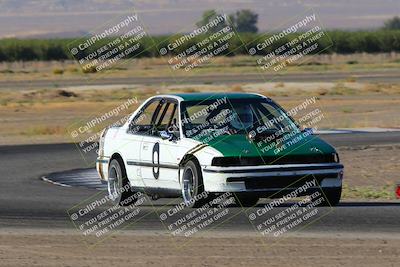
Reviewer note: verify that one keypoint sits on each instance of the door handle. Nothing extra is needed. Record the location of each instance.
(145, 147)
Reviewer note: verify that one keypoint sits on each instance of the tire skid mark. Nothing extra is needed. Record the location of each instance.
(76, 178)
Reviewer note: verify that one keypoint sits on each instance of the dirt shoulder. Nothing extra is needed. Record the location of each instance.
(371, 172)
(47, 115)
(64, 248)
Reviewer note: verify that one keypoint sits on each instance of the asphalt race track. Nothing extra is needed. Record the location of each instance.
(376, 76)
(28, 201)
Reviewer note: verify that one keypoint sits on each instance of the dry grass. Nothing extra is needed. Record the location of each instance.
(44, 130)
(58, 71)
(189, 90)
(279, 85)
(341, 89)
(47, 113)
(236, 88)
(152, 67)
(369, 192)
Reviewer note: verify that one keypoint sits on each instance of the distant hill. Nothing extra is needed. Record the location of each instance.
(47, 35)
(64, 18)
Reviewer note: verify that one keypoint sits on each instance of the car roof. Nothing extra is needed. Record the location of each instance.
(212, 96)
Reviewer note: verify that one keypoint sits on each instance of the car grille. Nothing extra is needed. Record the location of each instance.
(279, 182)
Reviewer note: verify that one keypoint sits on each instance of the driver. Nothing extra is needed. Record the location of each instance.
(243, 117)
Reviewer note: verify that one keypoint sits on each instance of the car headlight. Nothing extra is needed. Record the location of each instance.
(336, 157)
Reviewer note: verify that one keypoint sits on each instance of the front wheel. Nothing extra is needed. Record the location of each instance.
(119, 189)
(331, 197)
(193, 192)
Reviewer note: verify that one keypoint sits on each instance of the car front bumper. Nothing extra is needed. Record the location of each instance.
(272, 179)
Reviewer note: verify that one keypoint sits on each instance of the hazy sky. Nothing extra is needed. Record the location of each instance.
(24, 18)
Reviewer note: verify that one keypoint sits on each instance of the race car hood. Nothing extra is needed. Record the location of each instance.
(240, 145)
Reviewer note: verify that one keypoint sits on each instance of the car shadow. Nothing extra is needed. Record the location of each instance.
(344, 204)
(368, 204)
(264, 202)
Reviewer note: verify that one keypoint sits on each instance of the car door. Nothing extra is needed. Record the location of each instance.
(159, 160)
(140, 127)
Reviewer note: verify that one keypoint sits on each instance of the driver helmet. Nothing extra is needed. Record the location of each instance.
(243, 117)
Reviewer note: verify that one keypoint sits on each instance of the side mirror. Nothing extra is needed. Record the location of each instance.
(166, 135)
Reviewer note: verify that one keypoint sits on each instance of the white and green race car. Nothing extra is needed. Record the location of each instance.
(183, 145)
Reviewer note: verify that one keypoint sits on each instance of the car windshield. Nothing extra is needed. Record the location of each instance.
(224, 116)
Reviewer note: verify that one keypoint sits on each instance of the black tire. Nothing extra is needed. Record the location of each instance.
(193, 194)
(331, 197)
(246, 200)
(119, 190)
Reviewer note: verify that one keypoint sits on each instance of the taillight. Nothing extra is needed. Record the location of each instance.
(398, 191)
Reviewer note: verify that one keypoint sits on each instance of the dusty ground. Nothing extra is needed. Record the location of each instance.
(44, 116)
(370, 172)
(64, 248)
(370, 165)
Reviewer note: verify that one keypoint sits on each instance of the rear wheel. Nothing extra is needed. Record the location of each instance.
(192, 186)
(119, 189)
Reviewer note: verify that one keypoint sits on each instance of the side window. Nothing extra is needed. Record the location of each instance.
(174, 123)
(168, 118)
(165, 116)
(142, 123)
